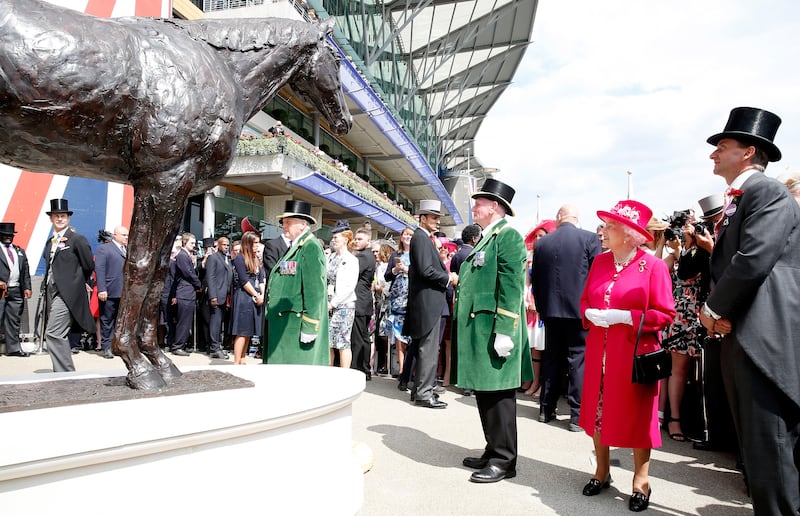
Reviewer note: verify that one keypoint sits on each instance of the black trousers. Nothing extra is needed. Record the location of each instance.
(360, 344)
(108, 321)
(183, 324)
(565, 341)
(498, 412)
(216, 319)
(768, 425)
(11, 306)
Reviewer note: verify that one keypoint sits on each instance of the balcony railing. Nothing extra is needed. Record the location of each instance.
(266, 145)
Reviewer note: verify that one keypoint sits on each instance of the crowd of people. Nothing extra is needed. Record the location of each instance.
(496, 314)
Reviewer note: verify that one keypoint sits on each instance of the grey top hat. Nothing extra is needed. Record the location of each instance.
(429, 207)
(7, 228)
(752, 126)
(299, 210)
(341, 225)
(711, 205)
(497, 191)
(59, 206)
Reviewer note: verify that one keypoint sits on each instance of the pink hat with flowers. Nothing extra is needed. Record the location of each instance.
(631, 213)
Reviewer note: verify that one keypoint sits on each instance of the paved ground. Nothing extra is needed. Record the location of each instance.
(417, 459)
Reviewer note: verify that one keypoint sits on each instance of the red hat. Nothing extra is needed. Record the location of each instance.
(548, 225)
(631, 213)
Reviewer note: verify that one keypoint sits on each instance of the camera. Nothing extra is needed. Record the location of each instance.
(676, 223)
(700, 228)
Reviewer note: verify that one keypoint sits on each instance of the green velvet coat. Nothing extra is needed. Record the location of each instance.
(490, 300)
(297, 304)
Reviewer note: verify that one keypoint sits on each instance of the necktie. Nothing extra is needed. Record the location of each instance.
(125, 250)
(10, 255)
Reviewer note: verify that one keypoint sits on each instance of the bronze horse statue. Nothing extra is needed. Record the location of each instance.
(155, 103)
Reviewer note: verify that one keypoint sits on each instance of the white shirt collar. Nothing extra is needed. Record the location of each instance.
(739, 181)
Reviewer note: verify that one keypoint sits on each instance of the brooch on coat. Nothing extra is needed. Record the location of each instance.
(642, 265)
(734, 195)
(288, 268)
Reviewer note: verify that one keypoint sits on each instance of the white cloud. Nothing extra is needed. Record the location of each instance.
(608, 87)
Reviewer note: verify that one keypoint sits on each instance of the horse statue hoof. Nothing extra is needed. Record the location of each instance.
(169, 372)
(148, 380)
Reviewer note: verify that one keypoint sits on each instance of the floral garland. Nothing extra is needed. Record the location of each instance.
(250, 145)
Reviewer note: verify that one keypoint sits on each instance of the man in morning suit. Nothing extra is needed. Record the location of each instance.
(15, 287)
(297, 309)
(68, 274)
(218, 280)
(183, 294)
(427, 282)
(109, 262)
(359, 336)
(754, 305)
(493, 353)
(560, 266)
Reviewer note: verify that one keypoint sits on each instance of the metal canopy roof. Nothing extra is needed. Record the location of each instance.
(464, 53)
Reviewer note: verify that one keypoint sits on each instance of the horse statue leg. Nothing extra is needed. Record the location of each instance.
(159, 202)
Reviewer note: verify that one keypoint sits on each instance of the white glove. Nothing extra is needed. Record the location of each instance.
(605, 318)
(503, 345)
(305, 338)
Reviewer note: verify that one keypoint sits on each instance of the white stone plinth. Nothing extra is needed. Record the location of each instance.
(282, 447)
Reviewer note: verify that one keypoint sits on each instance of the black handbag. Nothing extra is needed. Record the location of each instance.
(650, 367)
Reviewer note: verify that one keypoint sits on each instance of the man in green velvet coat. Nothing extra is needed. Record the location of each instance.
(493, 353)
(297, 307)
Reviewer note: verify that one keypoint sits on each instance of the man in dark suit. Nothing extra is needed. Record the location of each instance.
(427, 282)
(754, 305)
(359, 336)
(560, 266)
(68, 274)
(274, 249)
(218, 280)
(470, 236)
(185, 285)
(15, 287)
(109, 262)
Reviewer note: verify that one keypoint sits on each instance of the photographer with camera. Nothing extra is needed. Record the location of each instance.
(689, 263)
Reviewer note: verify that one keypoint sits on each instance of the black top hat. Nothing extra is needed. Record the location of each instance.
(59, 206)
(497, 191)
(208, 242)
(299, 210)
(341, 225)
(752, 126)
(104, 235)
(7, 228)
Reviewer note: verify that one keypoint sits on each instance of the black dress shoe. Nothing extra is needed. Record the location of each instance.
(106, 353)
(219, 354)
(705, 446)
(19, 353)
(475, 462)
(431, 403)
(594, 486)
(402, 386)
(546, 418)
(468, 392)
(639, 501)
(180, 352)
(492, 473)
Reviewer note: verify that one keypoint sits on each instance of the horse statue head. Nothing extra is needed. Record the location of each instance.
(318, 82)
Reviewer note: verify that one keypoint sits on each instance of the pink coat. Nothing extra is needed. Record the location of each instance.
(630, 411)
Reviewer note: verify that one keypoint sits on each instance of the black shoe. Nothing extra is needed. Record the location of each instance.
(414, 395)
(368, 377)
(180, 352)
(431, 403)
(705, 446)
(475, 462)
(468, 392)
(219, 354)
(594, 486)
(402, 386)
(106, 353)
(19, 353)
(492, 473)
(546, 418)
(639, 501)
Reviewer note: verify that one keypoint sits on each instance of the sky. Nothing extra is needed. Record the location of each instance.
(608, 88)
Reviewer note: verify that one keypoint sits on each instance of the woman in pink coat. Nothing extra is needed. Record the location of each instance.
(624, 285)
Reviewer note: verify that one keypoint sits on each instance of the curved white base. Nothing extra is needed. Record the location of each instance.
(284, 446)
